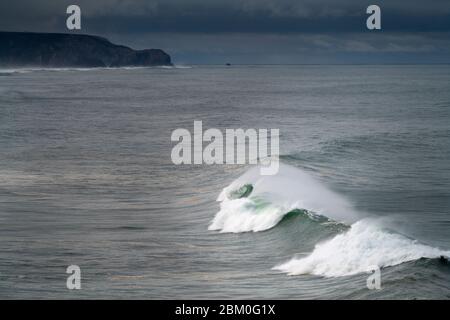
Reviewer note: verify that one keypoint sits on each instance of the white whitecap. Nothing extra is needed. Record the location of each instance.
(363, 246)
(289, 189)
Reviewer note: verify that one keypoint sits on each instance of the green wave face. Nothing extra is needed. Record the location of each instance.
(259, 205)
(242, 192)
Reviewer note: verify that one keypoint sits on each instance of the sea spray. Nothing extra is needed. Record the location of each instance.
(273, 197)
(366, 244)
(257, 203)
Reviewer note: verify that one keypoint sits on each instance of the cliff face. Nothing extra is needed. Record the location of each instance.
(72, 50)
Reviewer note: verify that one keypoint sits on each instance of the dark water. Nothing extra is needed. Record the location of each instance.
(86, 178)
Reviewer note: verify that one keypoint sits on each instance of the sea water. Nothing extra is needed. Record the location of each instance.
(86, 179)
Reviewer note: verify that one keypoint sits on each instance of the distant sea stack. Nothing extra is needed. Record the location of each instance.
(57, 50)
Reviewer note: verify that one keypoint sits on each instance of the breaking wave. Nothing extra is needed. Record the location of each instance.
(272, 197)
(357, 250)
(258, 203)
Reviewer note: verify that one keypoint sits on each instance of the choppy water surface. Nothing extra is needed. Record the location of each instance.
(86, 178)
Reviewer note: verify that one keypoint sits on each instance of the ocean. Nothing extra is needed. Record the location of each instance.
(86, 179)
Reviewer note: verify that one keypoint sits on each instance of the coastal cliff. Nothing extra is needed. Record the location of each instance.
(56, 50)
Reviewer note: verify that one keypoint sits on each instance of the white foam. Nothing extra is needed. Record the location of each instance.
(366, 244)
(33, 69)
(289, 189)
(12, 71)
(59, 69)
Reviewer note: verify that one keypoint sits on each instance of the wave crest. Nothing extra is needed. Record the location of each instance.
(270, 198)
(364, 245)
(257, 203)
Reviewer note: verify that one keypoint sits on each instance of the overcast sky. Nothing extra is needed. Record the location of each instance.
(253, 31)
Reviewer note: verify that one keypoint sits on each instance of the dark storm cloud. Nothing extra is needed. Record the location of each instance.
(285, 16)
(250, 30)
